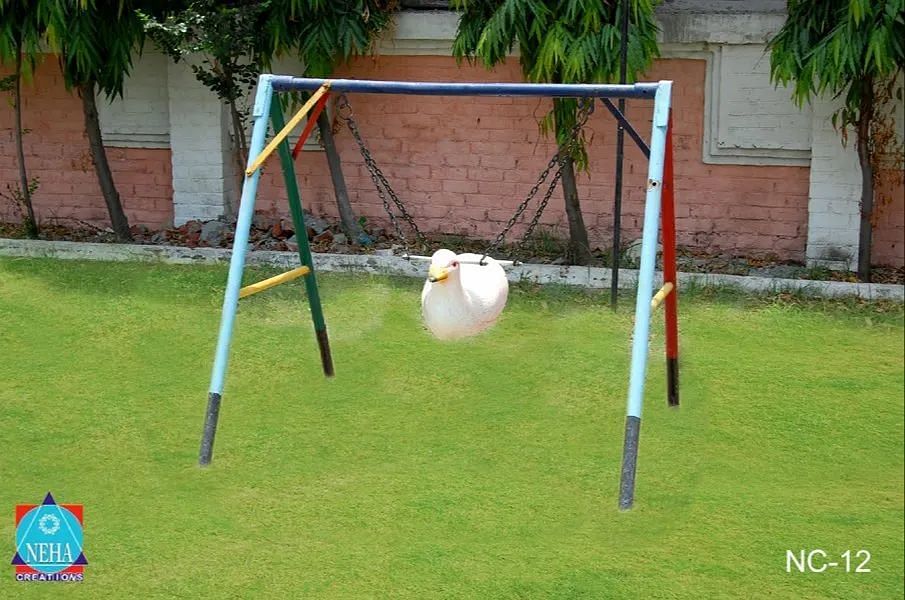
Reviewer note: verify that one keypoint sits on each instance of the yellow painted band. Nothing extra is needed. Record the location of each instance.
(660, 296)
(284, 133)
(260, 286)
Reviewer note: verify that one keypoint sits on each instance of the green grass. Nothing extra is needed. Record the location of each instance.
(485, 469)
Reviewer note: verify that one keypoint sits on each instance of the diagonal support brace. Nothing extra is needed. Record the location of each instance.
(312, 121)
(627, 126)
(287, 129)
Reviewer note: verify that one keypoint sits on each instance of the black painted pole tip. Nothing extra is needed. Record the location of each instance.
(210, 429)
(323, 342)
(672, 382)
(629, 463)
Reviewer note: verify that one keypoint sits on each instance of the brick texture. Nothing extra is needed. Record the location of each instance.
(889, 228)
(57, 152)
(463, 164)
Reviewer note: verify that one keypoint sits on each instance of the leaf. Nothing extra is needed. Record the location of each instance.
(856, 10)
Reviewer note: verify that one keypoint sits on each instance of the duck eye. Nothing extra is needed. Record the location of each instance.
(455, 264)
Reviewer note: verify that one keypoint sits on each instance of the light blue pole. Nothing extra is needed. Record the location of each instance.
(645, 292)
(260, 114)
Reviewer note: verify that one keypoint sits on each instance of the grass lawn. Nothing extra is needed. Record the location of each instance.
(485, 469)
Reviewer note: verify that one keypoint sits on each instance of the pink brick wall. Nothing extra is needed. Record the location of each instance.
(889, 230)
(463, 164)
(56, 151)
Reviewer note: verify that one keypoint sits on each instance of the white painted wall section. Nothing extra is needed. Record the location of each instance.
(751, 121)
(200, 148)
(835, 193)
(141, 118)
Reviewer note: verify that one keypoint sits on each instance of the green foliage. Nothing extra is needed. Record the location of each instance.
(226, 36)
(238, 40)
(23, 27)
(324, 33)
(839, 46)
(855, 49)
(228, 40)
(559, 41)
(96, 40)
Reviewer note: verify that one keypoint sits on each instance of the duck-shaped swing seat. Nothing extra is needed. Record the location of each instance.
(464, 294)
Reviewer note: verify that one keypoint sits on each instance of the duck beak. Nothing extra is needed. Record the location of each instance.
(435, 274)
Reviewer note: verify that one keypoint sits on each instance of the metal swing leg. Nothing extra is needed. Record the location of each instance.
(236, 266)
(640, 337)
(301, 234)
(257, 154)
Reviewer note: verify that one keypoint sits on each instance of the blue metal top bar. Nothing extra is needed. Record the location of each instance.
(285, 83)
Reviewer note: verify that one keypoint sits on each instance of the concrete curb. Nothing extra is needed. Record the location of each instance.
(589, 277)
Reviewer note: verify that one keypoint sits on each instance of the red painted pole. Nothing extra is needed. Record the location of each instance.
(668, 216)
(312, 121)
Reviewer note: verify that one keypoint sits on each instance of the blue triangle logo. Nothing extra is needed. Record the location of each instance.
(49, 538)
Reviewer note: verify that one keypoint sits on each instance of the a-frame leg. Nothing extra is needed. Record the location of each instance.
(264, 106)
(301, 234)
(640, 336)
(668, 218)
(236, 266)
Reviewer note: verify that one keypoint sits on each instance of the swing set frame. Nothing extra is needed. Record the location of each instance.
(659, 208)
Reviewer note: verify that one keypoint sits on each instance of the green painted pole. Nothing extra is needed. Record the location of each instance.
(301, 235)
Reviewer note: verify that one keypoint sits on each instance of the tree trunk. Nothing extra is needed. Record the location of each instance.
(31, 223)
(240, 155)
(579, 247)
(867, 181)
(99, 156)
(239, 133)
(349, 223)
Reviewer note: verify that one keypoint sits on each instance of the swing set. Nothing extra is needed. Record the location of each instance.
(659, 193)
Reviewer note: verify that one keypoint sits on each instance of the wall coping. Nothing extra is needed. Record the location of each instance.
(588, 277)
(432, 32)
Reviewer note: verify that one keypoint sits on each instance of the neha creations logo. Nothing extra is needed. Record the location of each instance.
(49, 542)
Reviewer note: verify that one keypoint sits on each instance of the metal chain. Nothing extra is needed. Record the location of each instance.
(585, 108)
(521, 208)
(344, 110)
(542, 206)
